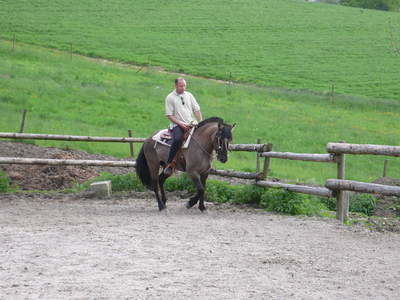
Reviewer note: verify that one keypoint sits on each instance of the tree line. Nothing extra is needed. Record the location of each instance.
(390, 5)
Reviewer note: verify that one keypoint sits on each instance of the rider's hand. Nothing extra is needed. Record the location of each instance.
(184, 127)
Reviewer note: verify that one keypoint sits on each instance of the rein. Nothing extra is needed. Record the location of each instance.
(201, 148)
(205, 151)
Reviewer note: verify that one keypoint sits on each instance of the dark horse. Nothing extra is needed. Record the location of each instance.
(210, 134)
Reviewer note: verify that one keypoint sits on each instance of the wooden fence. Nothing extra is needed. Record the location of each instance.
(57, 137)
(338, 187)
(67, 162)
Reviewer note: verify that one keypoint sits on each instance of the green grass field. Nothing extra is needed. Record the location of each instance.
(83, 97)
(277, 43)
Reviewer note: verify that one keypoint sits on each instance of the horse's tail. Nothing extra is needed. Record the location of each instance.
(142, 170)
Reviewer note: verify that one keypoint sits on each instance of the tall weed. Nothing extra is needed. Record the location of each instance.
(4, 182)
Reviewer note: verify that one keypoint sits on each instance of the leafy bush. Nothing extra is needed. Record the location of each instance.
(179, 183)
(220, 191)
(283, 201)
(126, 182)
(4, 181)
(250, 194)
(330, 203)
(362, 203)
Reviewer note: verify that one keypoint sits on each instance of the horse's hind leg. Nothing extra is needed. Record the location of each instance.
(161, 204)
(161, 180)
(200, 191)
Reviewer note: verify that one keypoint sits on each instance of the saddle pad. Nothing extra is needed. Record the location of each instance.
(163, 137)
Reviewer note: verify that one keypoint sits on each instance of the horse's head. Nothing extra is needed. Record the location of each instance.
(222, 140)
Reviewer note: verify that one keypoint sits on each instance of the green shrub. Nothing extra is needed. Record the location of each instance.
(220, 191)
(126, 182)
(362, 203)
(248, 194)
(271, 196)
(283, 201)
(179, 183)
(330, 203)
(4, 182)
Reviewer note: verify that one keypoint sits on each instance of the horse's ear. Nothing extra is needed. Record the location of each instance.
(233, 126)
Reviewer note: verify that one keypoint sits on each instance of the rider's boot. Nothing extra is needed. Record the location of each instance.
(169, 169)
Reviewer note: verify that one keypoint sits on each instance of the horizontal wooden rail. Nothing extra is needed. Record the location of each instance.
(363, 149)
(317, 191)
(300, 156)
(247, 147)
(66, 162)
(362, 187)
(237, 174)
(32, 136)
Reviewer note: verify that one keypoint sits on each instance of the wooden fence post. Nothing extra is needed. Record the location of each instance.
(258, 158)
(385, 168)
(131, 144)
(21, 128)
(229, 84)
(342, 197)
(332, 93)
(267, 160)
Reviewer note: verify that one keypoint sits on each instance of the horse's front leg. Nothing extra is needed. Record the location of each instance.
(200, 191)
(203, 178)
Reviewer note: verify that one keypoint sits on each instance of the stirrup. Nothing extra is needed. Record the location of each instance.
(169, 169)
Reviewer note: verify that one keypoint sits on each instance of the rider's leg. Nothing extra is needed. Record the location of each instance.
(177, 134)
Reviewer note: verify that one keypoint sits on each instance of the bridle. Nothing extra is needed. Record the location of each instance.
(218, 144)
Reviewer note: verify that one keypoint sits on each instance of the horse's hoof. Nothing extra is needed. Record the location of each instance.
(161, 208)
(202, 208)
(189, 205)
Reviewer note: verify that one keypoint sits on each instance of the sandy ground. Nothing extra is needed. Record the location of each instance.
(63, 247)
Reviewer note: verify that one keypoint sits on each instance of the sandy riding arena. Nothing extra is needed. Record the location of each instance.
(61, 247)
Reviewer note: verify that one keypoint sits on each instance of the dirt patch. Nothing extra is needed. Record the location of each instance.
(56, 246)
(42, 177)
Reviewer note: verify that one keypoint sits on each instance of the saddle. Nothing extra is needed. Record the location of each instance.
(164, 137)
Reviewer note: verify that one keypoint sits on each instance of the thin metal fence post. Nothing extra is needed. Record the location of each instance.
(22, 126)
(131, 144)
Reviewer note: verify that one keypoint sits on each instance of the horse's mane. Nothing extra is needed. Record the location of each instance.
(210, 120)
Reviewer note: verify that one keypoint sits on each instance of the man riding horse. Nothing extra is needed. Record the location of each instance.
(182, 109)
(209, 136)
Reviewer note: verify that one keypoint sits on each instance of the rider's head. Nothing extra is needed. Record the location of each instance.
(180, 85)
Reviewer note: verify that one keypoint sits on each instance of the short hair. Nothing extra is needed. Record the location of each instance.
(179, 79)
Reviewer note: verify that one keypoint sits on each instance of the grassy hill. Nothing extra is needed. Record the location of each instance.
(87, 97)
(276, 43)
